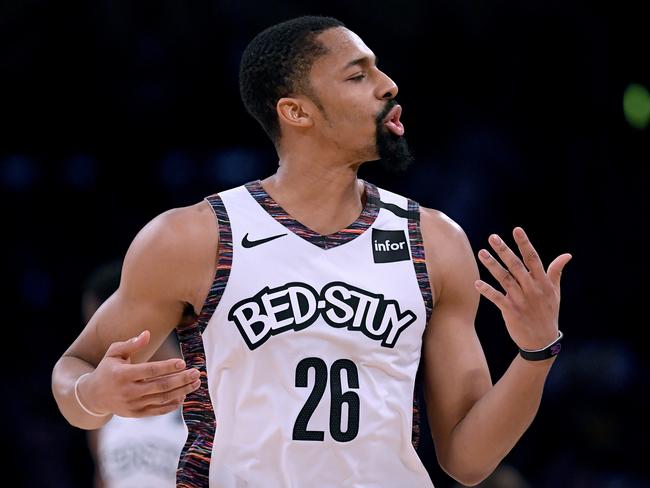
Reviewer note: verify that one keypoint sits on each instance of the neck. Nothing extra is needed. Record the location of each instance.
(324, 197)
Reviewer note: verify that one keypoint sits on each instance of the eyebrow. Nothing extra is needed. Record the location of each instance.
(360, 61)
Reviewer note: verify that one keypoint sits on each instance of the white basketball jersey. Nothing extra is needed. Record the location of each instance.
(141, 452)
(309, 346)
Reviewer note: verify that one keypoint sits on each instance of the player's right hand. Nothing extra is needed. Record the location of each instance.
(136, 390)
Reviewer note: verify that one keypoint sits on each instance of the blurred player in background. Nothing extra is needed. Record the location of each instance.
(133, 452)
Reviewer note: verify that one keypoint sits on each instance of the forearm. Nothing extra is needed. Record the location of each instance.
(65, 374)
(495, 423)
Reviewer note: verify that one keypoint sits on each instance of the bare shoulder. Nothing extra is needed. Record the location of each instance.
(446, 246)
(180, 243)
(440, 230)
(178, 232)
(192, 218)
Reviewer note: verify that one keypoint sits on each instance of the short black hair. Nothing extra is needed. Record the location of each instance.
(276, 64)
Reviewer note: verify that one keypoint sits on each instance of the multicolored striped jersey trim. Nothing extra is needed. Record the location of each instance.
(418, 258)
(420, 265)
(415, 436)
(356, 228)
(194, 464)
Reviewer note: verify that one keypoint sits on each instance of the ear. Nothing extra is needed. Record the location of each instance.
(294, 112)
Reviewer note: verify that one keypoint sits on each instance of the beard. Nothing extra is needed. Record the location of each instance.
(392, 149)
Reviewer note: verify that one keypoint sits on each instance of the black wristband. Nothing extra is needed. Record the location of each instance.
(553, 349)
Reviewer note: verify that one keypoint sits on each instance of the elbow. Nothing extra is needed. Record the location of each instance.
(467, 477)
(464, 472)
(60, 403)
(472, 481)
(71, 421)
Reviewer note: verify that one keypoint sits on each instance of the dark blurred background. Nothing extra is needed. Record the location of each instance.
(519, 113)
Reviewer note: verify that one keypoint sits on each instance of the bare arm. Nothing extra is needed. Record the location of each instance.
(163, 268)
(474, 424)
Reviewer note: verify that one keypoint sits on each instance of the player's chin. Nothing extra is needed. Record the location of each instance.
(371, 153)
(368, 152)
(373, 157)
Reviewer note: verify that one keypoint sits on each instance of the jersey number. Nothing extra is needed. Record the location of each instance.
(300, 432)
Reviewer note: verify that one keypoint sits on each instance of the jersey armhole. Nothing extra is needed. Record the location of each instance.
(420, 266)
(198, 412)
(418, 257)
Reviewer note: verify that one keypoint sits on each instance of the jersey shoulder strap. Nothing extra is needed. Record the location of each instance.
(396, 204)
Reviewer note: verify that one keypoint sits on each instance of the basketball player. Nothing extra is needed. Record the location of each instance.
(131, 452)
(314, 293)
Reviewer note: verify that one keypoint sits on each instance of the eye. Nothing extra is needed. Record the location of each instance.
(358, 78)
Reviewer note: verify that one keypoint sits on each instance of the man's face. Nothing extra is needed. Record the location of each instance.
(356, 96)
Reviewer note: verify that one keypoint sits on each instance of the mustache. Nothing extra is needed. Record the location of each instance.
(389, 106)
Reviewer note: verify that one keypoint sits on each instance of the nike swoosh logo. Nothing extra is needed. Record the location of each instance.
(246, 243)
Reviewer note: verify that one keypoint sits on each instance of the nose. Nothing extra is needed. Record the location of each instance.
(387, 88)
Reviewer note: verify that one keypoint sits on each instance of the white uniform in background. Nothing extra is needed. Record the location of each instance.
(141, 452)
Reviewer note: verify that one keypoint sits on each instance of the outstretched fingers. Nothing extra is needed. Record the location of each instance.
(530, 255)
(502, 275)
(517, 270)
(167, 383)
(556, 267)
(496, 297)
(154, 369)
(167, 396)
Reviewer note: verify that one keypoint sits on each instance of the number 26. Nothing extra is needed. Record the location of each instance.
(338, 398)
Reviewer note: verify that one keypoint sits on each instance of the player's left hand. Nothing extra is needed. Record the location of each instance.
(531, 304)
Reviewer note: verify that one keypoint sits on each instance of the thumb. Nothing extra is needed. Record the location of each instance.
(555, 268)
(125, 349)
